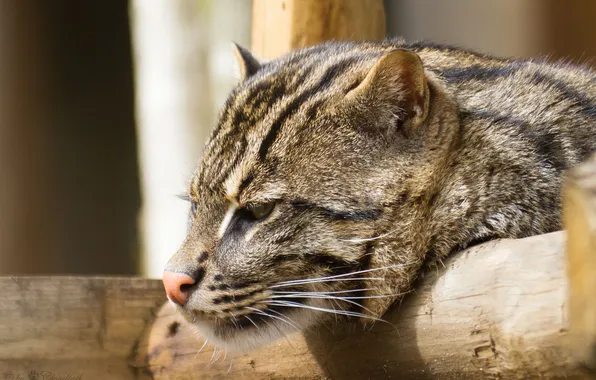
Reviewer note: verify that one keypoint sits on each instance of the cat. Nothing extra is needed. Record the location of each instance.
(337, 172)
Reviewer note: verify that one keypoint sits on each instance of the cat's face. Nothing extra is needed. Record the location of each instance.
(293, 192)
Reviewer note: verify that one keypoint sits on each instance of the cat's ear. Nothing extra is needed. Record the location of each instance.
(397, 79)
(248, 64)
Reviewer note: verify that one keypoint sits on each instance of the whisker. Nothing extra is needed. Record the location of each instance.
(363, 240)
(349, 274)
(218, 354)
(212, 356)
(282, 315)
(316, 281)
(334, 292)
(345, 299)
(225, 353)
(333, 311)
(230, 367)
(275, 327)
(336, 312)
(262, 312)
(323, 296)
(235, 322)
(201, 349)
(251, 321)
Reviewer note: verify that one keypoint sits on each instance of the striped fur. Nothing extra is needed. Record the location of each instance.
(374, 161)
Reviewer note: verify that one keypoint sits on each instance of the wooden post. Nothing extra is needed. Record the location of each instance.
(580, 221)
(68, 172)
(280, 26)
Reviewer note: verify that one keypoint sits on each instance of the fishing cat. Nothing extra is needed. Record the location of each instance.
(337, 171)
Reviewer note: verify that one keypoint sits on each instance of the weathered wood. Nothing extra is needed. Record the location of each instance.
(580, 221)
(71, 326)
(494, 311)
(280, 26)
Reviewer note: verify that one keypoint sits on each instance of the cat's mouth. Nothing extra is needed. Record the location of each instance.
(247, 318)
(246, 327)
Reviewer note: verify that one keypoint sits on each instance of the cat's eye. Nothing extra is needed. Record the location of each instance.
(261, 210)
(194, 206)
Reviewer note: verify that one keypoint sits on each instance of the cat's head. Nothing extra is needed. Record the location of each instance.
(295, 193)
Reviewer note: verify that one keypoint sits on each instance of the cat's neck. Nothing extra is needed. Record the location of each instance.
(487, 191)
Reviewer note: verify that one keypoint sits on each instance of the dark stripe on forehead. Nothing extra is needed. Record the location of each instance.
(243, 99)
(218, 167)
(245, 182)
(325, 80)
(288, 110)
(255, 99)
(252, 103)
(235, 118)
(223, 116)
(238, 154)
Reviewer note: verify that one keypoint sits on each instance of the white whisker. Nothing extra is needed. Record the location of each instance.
(251, 321)
(212, 356)
(335, 292)
(316, 281)
(225, 353)
(363, 240)
(262, 312)
(319, 279)
(219, 354)
(333, 311)
(201, 349)
(345, 299)
(324, 296)
(274, 326)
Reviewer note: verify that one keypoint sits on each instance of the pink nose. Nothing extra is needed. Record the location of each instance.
(177, 286)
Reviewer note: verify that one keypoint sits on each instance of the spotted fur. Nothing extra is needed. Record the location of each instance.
(379, 157)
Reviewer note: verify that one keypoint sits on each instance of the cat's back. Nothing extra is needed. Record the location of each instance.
(552, 105)
(505, 82)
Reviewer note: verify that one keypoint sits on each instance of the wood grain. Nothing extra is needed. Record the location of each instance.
(85, 326)
(580, 221)
(494, 311)
(280, 26)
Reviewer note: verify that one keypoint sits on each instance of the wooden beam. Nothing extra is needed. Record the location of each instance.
(580, 221)
(280, 26)
(71, 326)
(494, 311)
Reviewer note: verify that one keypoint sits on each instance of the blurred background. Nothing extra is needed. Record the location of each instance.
(105, 107)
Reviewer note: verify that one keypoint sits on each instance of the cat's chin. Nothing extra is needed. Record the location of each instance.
(258, 332)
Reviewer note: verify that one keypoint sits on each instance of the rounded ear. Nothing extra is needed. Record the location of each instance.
(397, 79)
(247, 63)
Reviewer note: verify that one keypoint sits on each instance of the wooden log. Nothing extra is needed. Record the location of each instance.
(494, 311)
(580, 221)
(280, 26)
(82, 327)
